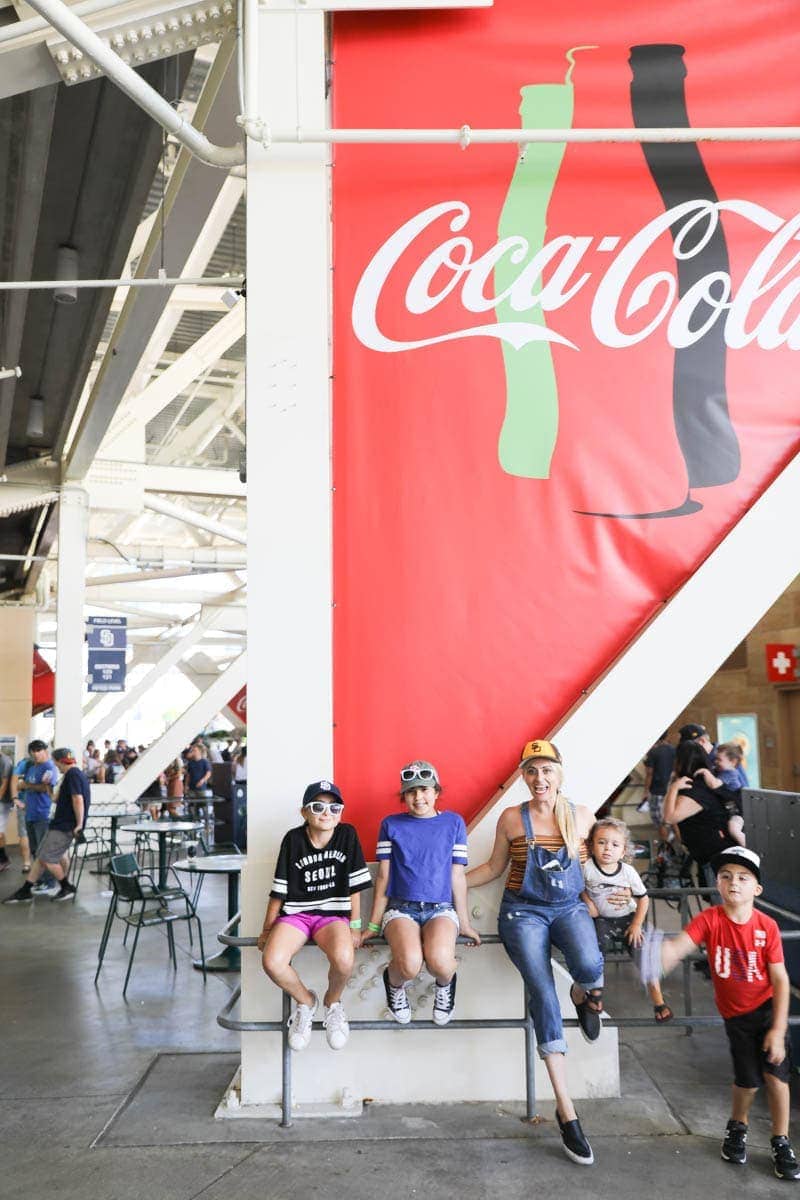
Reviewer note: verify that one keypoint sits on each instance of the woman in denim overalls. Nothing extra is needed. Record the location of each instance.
(541, 840)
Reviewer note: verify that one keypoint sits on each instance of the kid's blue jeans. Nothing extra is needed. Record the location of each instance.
(529, 932)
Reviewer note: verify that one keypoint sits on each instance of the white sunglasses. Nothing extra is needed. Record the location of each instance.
(318, 807)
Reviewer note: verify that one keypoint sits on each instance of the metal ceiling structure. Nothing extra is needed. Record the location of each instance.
(136, 395)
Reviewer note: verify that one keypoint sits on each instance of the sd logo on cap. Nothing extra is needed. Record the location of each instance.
(539, 749)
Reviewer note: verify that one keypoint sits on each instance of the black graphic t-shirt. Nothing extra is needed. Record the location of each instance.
(311, 880)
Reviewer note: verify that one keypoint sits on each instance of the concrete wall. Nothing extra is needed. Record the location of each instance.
(16, 673)
(746, 689)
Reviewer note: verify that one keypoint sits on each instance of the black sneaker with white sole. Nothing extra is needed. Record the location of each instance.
(734, 1148)
(784, 1161)
(444, 999)
(23, 895)
(65, 892)
(574, 1142)
(397, 1000)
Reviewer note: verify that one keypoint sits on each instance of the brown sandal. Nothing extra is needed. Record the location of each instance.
(662, 1013)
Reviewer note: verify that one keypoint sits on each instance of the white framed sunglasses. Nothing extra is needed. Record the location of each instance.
(426, 775)
(318, 807)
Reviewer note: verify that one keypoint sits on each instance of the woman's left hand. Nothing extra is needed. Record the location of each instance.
(620, 898)
(472, 935)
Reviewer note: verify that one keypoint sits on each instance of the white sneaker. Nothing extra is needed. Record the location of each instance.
(300, 1024)
(45, 889)
(337, 1028)
(443, 1002)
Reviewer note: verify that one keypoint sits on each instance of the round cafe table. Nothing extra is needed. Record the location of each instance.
(162, 828)
(230, 958)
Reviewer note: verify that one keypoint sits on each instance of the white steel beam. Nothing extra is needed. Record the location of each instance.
(196, 263)
(191, 192)
(197, 520)
(150, 593)
(192, 481)
(180, 733)
(190, 441)
(680, 650)
(73, 526)
(146, 554)
(165, 663)
(170, 383)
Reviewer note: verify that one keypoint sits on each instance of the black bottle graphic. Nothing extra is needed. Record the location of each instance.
(703, 426)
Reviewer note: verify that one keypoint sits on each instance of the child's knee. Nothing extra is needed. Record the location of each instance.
(342, 960)
(441, 963)
(408, 963)
(273, 964)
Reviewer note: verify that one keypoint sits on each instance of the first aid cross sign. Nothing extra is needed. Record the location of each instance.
(783, 662)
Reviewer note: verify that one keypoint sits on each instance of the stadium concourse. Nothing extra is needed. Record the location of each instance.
(125, 1094)
(525, 482)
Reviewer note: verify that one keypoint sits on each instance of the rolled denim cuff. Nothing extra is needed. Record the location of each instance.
(598, 983)
(557, 1047)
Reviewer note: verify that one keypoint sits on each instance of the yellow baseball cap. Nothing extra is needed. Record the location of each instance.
(539, 749)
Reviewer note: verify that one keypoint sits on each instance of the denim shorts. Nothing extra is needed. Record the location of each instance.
(418, 911)
(22, 824)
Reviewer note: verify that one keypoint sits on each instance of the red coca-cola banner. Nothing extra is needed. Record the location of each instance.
(44, 685)
(238, 705)
(562, 372)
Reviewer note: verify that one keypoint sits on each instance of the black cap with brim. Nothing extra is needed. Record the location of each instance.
(737, 856)
(690, 733)
(322, 790)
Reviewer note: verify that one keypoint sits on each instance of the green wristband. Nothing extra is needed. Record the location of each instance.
(373, 928)
(356, 924)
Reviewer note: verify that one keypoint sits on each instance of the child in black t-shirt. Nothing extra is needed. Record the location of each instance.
(315, 897)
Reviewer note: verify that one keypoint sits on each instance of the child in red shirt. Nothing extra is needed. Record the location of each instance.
(751, 989)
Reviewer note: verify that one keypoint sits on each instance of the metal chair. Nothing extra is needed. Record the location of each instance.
(138, 890)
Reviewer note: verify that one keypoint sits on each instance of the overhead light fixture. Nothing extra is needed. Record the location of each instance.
(66, 268)
(35, 426)
(10, 373)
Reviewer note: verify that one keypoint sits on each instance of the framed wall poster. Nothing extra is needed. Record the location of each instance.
(742, 728)
(8, 746)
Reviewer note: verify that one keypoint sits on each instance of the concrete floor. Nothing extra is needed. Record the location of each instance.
(104, 1099)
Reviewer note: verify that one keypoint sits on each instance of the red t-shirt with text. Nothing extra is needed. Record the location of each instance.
(738, 956)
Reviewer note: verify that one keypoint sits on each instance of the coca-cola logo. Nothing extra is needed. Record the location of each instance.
(624, 309)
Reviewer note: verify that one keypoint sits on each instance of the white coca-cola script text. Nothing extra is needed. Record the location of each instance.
(454, 267)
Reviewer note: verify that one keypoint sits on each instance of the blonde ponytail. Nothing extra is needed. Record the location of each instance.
(565, 819)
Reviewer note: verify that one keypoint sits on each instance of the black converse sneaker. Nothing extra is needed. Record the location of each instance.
(574, 1141)
(444, 1001)
(397, 1000)
(734, 1148)
(783, 1158)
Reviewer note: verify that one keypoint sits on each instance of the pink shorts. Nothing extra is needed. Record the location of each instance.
(310, 923)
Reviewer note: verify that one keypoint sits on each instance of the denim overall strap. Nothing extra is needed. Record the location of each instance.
(527, 823)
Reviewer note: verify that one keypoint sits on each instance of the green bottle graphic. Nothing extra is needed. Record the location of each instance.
(528, 435)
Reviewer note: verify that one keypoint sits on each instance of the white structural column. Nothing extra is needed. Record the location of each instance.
(73, 530)
(289, 690)
(289, 640)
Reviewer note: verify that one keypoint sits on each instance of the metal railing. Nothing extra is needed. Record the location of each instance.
(525, 1023)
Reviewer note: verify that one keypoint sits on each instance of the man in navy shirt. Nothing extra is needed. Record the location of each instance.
(658, 763)
(198, 769)
(69, 821)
